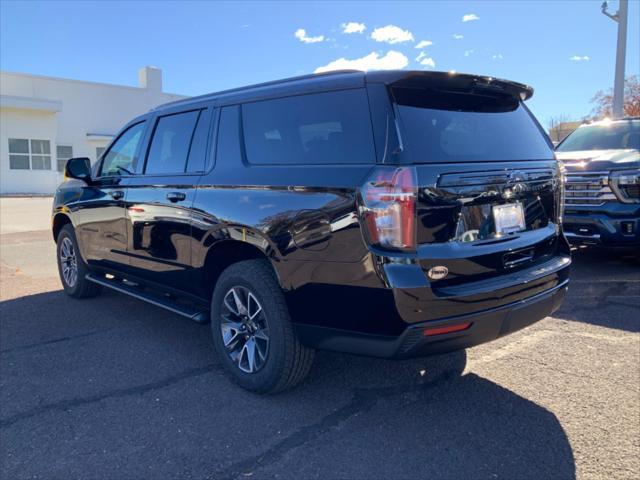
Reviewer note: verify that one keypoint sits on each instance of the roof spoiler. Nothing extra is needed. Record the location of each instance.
(452, 81)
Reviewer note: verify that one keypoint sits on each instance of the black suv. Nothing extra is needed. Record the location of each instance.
(390, 214)
(602, 204)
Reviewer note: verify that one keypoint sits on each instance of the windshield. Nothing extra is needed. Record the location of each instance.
(450, 126)
(618, 135)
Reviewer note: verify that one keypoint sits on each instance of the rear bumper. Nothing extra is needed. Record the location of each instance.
(621, 229)
(485, 326)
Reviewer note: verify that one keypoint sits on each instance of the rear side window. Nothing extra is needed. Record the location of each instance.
(171, 143)
(321, 128)
(440, 126)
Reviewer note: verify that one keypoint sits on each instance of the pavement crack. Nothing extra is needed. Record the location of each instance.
(362, 401)
(30, 346)
(118, 393)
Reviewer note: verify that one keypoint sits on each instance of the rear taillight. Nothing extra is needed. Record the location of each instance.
(388, 207)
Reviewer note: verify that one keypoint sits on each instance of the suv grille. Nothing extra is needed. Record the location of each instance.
(587, 189)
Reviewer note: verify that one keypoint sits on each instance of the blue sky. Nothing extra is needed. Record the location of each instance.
(564, 49)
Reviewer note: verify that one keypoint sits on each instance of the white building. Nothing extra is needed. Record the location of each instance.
(44, 121)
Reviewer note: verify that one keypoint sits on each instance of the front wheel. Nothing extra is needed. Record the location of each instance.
(71, 267)
(252, 331)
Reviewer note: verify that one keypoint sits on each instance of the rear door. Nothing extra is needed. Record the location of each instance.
(160, 197)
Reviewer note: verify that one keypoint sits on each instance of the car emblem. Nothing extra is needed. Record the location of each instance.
(437, 273)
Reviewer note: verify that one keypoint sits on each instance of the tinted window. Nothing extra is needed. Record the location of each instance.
(120, 160)
(603, 136)
(442, 126)
(170, 144)
(332, 127)
(198, 150)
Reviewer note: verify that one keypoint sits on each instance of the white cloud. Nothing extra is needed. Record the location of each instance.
(392, 60)
(391, 34)
(469, 17)
(353, 27)
(468, 53)
(301, 34)
(424, 44)
(578, 58)
(457, 36)
(422, 59)
(497, 56)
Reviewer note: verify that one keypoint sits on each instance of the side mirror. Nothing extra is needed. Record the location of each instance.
(79, 168)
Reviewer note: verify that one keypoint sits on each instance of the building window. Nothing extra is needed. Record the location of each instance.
(63, 154)
(99, 152)
(22, 150)
(18, 154)
(40, 155)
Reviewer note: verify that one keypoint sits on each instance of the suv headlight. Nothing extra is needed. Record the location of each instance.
(626, 185)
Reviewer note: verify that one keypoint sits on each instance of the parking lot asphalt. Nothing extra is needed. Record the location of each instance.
(114, 388)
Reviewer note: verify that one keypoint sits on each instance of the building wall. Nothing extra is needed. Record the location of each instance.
(39, 125)
(85, 115)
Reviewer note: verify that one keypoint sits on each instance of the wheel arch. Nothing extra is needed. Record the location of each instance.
(225, 253)
(58, 222)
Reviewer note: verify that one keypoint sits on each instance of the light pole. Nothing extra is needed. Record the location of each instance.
(618, 87)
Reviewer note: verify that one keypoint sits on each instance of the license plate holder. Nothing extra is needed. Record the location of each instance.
(508, 218)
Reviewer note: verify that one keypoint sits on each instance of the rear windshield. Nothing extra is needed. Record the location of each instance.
(603, 137)
(444, 126)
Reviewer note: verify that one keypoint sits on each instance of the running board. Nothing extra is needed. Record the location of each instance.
(199, 316)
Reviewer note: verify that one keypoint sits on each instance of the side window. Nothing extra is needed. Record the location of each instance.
(320, 128)
(171, 142)
(120, 158)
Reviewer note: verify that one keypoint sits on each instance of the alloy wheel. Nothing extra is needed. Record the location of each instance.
(68, 262)
(244, 328)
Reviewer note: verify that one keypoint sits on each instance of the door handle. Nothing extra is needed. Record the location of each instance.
(116, 194)
(176, 196)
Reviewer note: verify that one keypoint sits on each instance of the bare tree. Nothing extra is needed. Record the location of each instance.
(603, 101)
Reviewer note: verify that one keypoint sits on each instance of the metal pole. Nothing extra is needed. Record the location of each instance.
(621, 53)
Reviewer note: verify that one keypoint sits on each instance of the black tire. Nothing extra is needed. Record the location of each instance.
(287, 361)
(81, 287)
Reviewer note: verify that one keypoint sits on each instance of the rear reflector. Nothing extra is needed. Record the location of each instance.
(429, 331)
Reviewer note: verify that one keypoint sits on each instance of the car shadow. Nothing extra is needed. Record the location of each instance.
(354, 417)
(425, 414)
(604, 290)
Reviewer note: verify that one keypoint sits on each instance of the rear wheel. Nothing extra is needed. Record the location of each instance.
(72, 268)
(252, 331)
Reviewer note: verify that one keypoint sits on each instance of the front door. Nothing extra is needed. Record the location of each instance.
(159, 199)
(101, 228)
